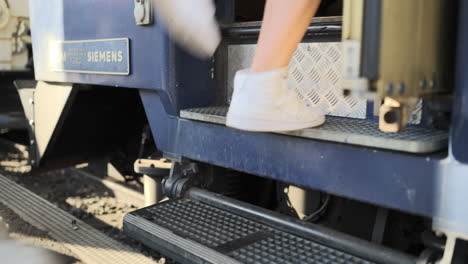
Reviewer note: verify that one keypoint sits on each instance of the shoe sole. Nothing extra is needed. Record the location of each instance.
(259, 125)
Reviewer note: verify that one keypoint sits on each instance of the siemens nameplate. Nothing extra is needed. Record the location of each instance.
(104, 56)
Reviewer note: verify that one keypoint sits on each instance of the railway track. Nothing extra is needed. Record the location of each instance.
(89, 244)
(71, 211)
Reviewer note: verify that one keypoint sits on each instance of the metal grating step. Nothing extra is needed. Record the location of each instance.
(349, 131)
(209, 228)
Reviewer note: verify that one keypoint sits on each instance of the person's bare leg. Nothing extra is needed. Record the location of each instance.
(284, 25)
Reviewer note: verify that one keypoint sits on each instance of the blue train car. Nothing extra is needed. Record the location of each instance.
(108, 85)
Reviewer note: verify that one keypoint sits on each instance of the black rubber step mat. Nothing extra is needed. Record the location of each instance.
(209, 228)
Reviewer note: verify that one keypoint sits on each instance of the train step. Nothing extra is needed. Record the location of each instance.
(209, 228)
(347, 131)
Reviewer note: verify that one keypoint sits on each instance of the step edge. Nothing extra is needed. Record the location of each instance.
(158, 235)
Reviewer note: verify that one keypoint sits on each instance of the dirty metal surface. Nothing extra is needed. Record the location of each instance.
(349, 131)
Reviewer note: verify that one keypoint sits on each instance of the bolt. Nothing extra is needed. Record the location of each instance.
(74, 225)
(432, 84)
(389, 89)
(33, 162)
(401, 88)
(390, 117)
(423, 84)
(32, 142)
(31, 101)
(31, 122)
(140, 11)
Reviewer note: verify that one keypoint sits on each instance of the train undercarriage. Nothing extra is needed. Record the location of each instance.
(383, 181)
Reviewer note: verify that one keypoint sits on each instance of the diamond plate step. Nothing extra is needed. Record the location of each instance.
(315, 73)
(348, 131)
(209, 228)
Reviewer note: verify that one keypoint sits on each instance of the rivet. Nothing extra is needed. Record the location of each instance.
(31, 122)
(423, 84)
(401, 88)
(74, 225)
(389, 89)
(32, 142)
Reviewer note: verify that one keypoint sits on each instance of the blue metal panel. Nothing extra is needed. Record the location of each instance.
(156, 63)
(90, 20)
(459, 143)
(419, 184)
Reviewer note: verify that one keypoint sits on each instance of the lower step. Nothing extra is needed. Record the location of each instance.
(210, 228)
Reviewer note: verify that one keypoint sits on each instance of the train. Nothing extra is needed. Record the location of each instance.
(382, 181)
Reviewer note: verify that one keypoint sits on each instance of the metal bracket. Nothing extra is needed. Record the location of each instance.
(26, 91)
(153, 168)
(143, 12)
(379, 225)
(394, 114)
(21, 38)
(182, 178)
(153, 173)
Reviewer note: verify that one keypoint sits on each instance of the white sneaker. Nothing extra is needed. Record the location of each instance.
(192, 24)
(262, 102)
